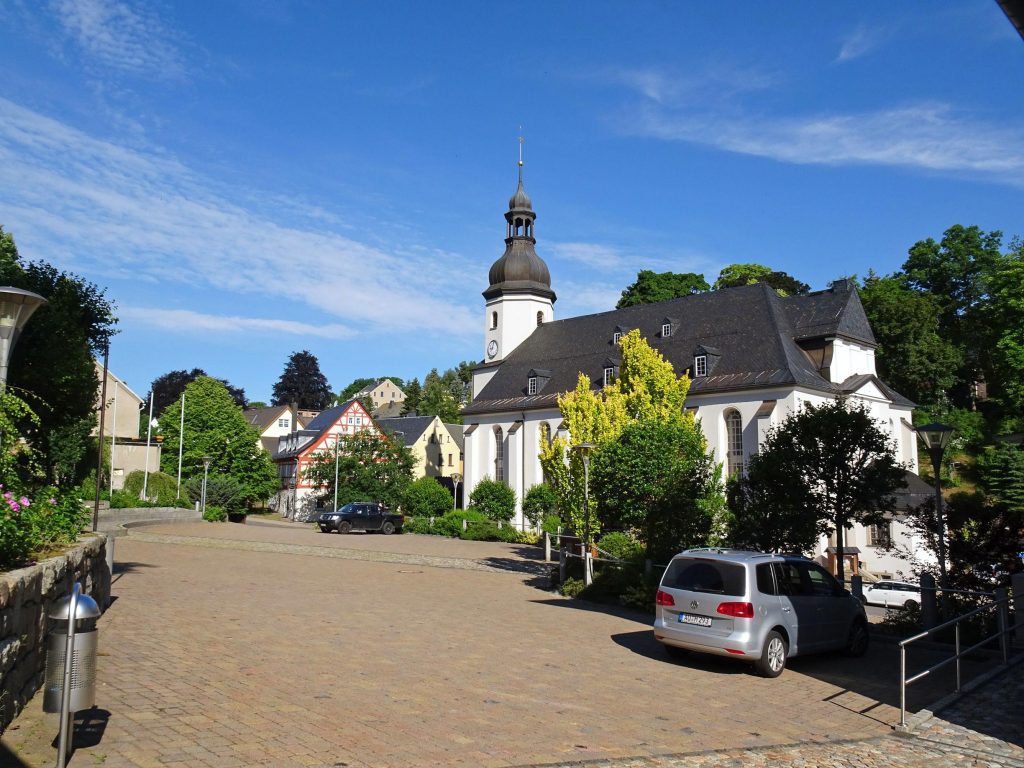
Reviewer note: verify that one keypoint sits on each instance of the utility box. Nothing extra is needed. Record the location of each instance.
(83, 654)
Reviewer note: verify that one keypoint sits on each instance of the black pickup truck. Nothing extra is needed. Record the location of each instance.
(369, 516)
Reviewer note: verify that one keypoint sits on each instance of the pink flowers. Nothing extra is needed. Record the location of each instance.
(16, 505)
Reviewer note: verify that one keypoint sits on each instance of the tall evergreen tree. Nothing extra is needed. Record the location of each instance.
(303, 383)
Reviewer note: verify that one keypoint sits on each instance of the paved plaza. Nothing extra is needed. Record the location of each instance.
(271, 644)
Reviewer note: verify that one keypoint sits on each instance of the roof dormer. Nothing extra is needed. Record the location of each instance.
(705, 359)
(669, 326)
(618, 333)
(536, 379)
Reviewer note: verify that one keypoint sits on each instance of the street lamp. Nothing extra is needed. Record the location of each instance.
(337, 443)
(456, 478)
(206, 472)
(936, 437)
(16, 307)
(584, 450)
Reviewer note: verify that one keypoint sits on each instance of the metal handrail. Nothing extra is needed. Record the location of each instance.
(1002, 633)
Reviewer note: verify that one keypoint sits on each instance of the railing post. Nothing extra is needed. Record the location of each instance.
(857, 587)
(956, 628)
(1003, 613)
(558, 537)
(562, 565)
(648, 567)
(465, 524)
(547, 547)
(1017, 585)
(903, 686)
(929, 603)
(588, 572)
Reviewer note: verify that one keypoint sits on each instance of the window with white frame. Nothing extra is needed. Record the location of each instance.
(700, 365)
(880, 535)
(666, 330)
(734, 442)
(609, 376)
(283, 422)
(531, 385)
(499, 455)
(615, 337)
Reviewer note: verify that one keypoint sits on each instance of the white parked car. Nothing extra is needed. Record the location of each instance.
(892, 594)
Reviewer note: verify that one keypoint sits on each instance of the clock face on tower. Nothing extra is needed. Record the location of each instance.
(492, 348)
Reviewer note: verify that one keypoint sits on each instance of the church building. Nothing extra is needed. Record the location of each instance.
(754, 357)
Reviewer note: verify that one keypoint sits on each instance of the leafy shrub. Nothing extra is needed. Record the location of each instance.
(125, 499)
(571, 587)
(221, 491)
(215, 514)
(450, 524)
(494, 499)
(417, 525)
(621, 546)
(540, 503)
(161, 488)
(425, 497)
(551, 524)
(31, 528)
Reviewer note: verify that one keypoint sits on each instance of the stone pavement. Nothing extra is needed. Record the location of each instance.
(271, 644)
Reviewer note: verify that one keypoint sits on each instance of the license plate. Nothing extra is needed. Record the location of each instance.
(700, 621)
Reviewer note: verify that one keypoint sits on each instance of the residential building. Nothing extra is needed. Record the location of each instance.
(298, 498)
(436, 446)
(276, 421)
(385, 397)
(753, 356)
(123, 421)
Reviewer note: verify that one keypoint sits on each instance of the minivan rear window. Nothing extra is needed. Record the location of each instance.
(697, 575)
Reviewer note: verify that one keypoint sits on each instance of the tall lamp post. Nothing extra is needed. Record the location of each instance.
(584, 450)
(456, 479)
(936, 437)
(206, 473)
(16, 307)
(337, 444)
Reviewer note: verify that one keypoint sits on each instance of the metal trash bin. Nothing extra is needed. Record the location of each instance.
(83, 654)
(69, 687)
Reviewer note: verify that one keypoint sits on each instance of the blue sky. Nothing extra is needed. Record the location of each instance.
(250, 178)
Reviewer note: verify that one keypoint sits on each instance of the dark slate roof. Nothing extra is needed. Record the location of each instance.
(750, 330)
(412, 427)
(261, 418)
(836, 311)
(326, 419)
(456, 431)
(916, 493)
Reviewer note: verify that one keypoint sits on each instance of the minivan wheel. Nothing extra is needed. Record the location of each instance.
(857, 644)
(773, 656)
(388, 528)
(344, 526)
(911, 604)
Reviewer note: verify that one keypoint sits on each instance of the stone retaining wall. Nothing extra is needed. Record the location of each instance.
(26, 596)
(113, 519)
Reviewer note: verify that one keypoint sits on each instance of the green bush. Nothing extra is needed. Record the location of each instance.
(551, 524)
(31, 528)
(540, 503)
(571, 587)
(215, 514)
(221, 491)
(125, 499)
(161, 488)
(450, 524)
(425, 497)
(621, 546)
(417, 525)
(494, 499)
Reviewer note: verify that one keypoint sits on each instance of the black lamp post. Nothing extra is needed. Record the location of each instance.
(936, 437)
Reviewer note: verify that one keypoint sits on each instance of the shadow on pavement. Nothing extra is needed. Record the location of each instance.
(121, 568)
(10, 760)
(995, 709)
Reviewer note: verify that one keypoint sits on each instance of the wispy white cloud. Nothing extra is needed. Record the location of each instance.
(122, 35)
(861, 40)
(575, 298)
(187, 321)
(927, 136)
(605, 258)
(670, 88)
(104, 209)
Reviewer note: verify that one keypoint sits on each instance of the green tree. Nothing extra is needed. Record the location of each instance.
(303, 383)
(494, 499)
(425, 497)
(52, 367)
(658, 478)
(540, 502)
(167, 388)
(661, 286)
(735, 275)
(912, 356)
(442, 396)
(829, 461)
(215, 427)
(413, 395)
(371, 467)
(1004, 316)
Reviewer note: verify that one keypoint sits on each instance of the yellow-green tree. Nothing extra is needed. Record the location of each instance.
(647, 389)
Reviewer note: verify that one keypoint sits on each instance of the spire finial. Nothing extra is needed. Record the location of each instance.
(520, 153)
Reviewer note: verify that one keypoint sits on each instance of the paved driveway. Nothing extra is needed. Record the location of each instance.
(272, 644)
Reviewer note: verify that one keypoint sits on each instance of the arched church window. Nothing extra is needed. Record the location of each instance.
(540, 318)
(734, 442)
(499, 455)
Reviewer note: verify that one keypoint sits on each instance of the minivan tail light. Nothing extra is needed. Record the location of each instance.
(739, 610)
(664, 598)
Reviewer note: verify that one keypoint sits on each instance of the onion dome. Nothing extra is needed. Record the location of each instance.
(520, 269)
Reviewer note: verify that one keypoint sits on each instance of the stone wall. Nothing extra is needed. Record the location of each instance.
(26, 596)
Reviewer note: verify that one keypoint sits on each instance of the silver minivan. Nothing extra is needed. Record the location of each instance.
(758, 607)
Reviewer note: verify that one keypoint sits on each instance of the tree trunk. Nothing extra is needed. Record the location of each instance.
(840, 558)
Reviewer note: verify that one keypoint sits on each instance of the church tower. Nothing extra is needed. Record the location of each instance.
(519, 297)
